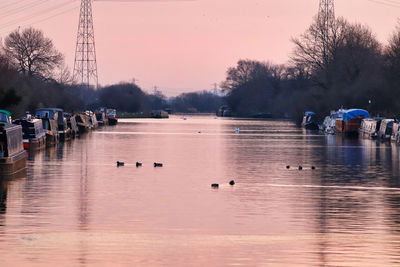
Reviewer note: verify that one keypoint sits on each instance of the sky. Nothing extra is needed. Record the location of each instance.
(184, 46)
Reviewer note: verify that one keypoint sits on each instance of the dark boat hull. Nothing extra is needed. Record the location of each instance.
(14, 164)
(35, 144)
(349, 128)
(65, 135)
(112, 121)
(311, 126)
(83, 129)
(51, 140)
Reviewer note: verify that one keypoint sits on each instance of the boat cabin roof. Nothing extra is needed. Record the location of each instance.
(5, 116)
(309, 113)
(8, 113)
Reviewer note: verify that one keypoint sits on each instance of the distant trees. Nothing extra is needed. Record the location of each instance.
(28, 64)
(316, 47)
(392, 55)
(252, 86)
(8, 98)
(125, 97)
(31, 53)
(204, 102)
(346, 69)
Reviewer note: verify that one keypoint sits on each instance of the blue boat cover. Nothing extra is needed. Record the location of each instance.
(309, 113)
(355, 113)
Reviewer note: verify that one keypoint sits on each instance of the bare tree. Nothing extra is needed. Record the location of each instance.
(63, 75)
(392, 54)
(33, 54)
(315, 49)
(250, 70)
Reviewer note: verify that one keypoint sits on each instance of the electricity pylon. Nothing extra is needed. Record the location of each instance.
(326, 21)
(85, 66)
(326, 14)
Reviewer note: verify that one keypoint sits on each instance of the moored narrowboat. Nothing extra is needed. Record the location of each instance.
(33, 134)
(370, 127)
(71, 122)
(224, 111)
(5, 116)
(350, 121)
(112, 116)
(330, 121)
(63, 130)
(82, 121)
(49, 119)
(396, 132)
(12, 153)
(310, 121)
(159, 114)
(50, 128)
(101, 118)
(92, 119)
(385, 131)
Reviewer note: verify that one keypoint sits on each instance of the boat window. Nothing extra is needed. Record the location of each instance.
(46, 125)
(4, 118)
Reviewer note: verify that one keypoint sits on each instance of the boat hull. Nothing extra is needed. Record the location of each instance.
(112, 121)
(350, 127)
(65, 135)
(35, 144)
(83, 129)
(14, 164)
(311, 126)
(51, 140)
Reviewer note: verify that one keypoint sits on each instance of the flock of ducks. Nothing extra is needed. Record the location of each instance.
(138, 164)
(232, 182)
(301, 167)
(157, 164)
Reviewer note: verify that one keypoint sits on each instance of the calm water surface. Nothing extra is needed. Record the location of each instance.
(74, 207)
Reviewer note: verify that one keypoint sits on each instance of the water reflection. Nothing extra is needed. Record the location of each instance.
(3, 198)
(75, 207)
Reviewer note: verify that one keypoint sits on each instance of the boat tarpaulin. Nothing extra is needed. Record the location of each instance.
(354, 114)
(309, 113)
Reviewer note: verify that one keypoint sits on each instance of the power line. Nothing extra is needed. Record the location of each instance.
(20, 9)
(390, 4)
(29, 17)
(143, 1)
(5, 6)
(42, 19)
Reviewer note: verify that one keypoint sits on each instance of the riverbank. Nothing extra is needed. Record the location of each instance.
(155, 114)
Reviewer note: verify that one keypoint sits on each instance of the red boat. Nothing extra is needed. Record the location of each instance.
(350, 122)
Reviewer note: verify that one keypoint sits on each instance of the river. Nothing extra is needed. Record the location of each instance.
(75, 207)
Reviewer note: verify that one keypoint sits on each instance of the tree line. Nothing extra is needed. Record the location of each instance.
(341, 66)
(33, 74)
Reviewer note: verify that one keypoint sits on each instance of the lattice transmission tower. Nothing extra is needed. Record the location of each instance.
(85, 66)
(326, 16)
(326, 21)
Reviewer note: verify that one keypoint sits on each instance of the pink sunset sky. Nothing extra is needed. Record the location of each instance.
(183, 46)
